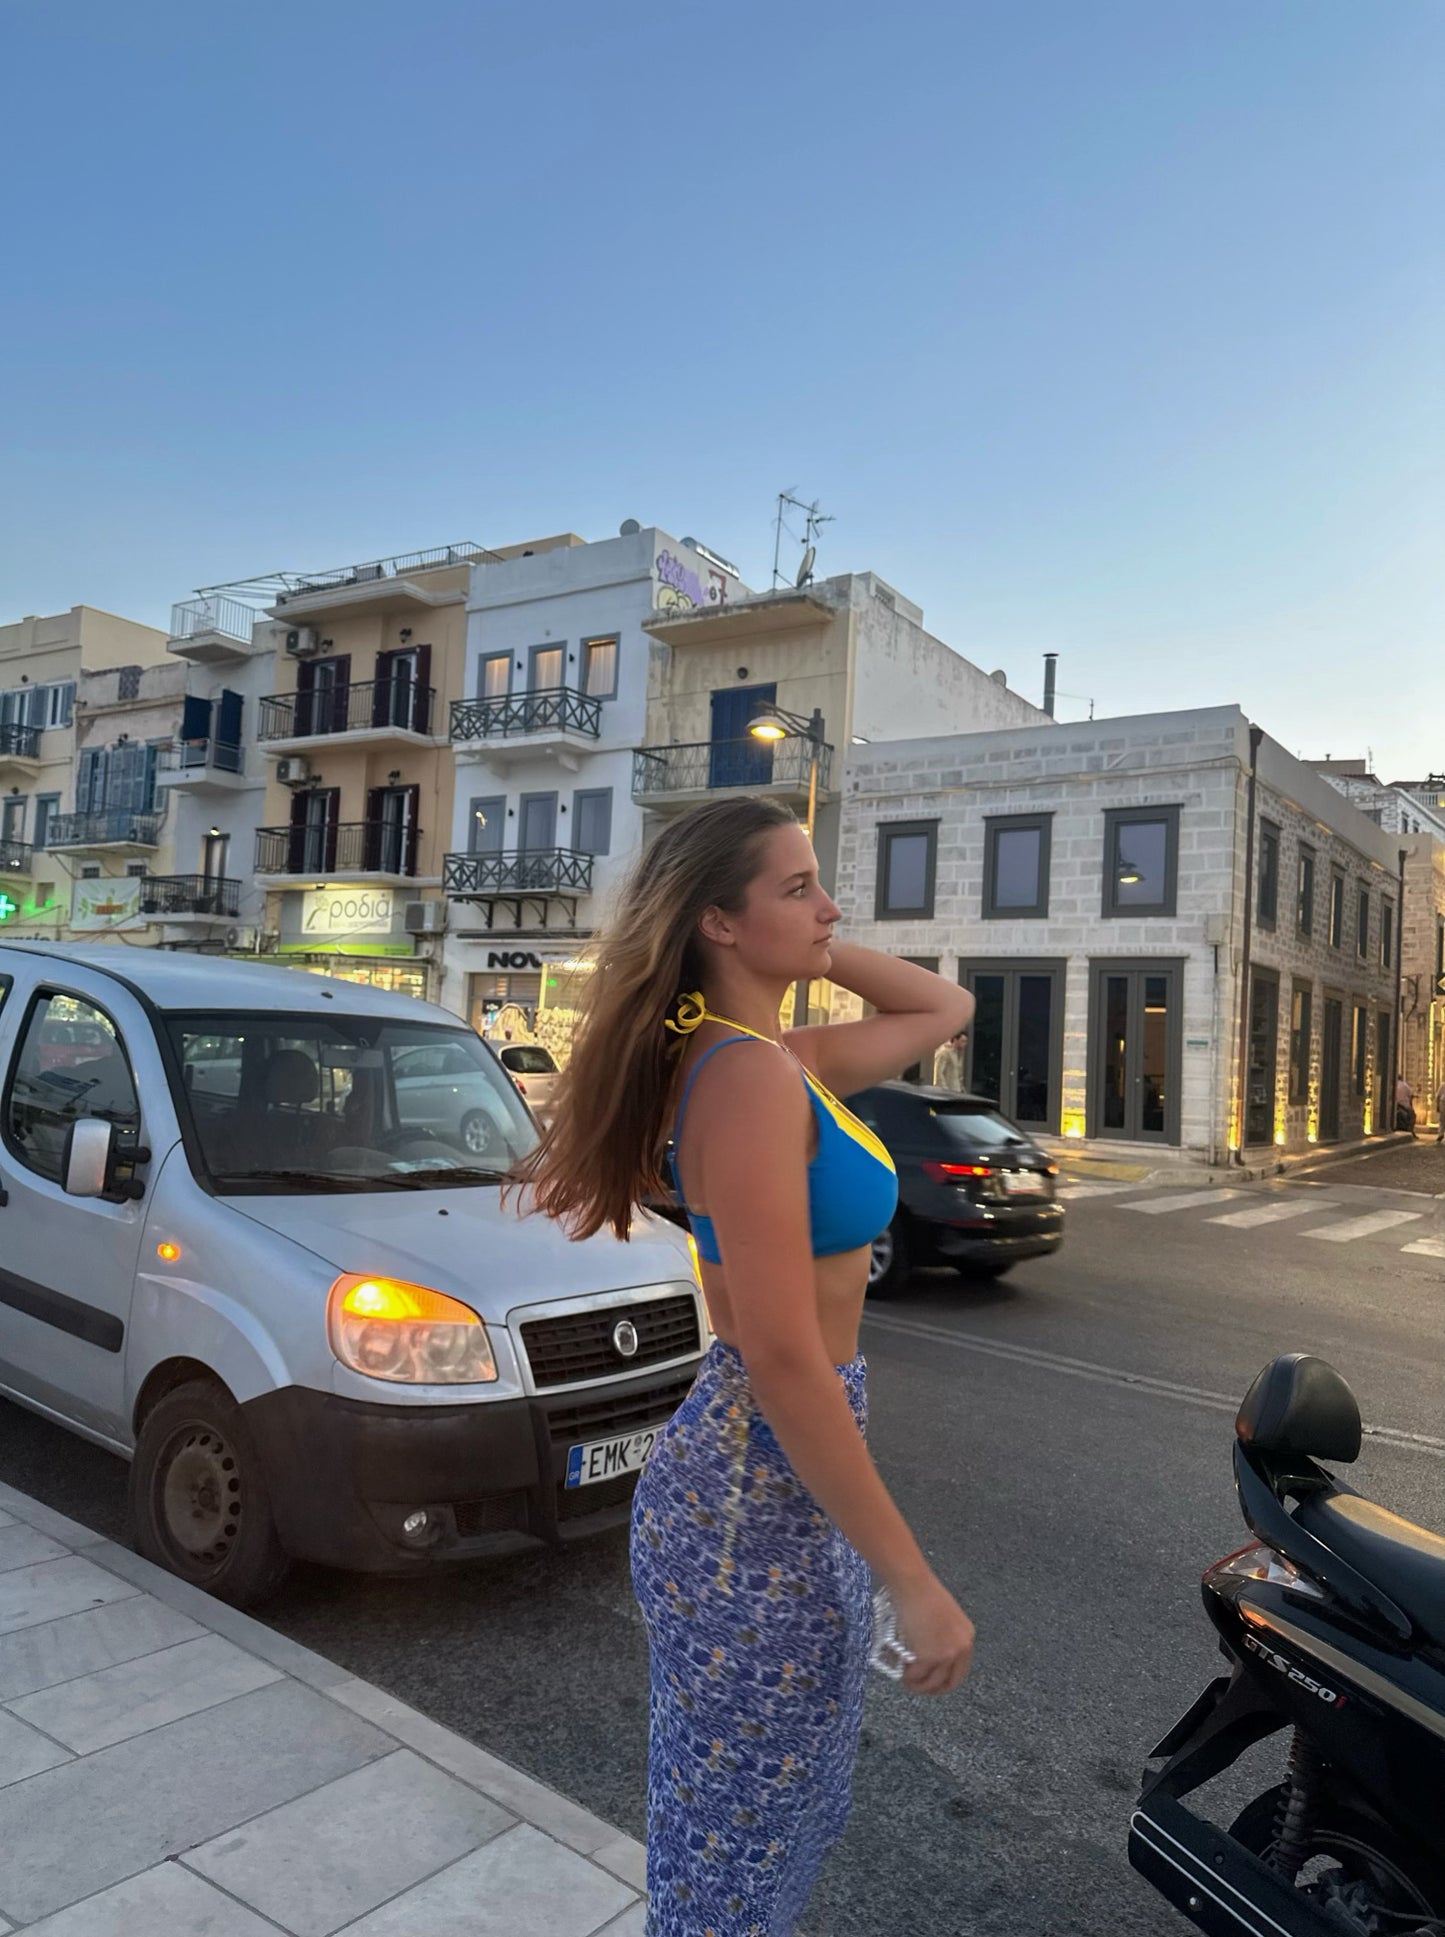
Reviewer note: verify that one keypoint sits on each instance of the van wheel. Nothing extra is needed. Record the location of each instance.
(889, 1265)
(198, 1500)
(479, 1133)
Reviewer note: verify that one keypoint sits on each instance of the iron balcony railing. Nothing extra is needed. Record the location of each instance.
(726, 763)
(345, 847)
(297, 584)
(360, 708)
(190, 756)
(19, 742)
(213, 613)
(190, 894)
(103, 830)
(15, 857)
(556, 710)
(519, 871)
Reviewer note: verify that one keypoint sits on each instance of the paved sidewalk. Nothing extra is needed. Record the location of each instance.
(170, 1765)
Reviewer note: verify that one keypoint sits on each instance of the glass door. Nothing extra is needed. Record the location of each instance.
(1136, 1061)
(1015, 1049)
(1330, 1070)
(1262, 1075)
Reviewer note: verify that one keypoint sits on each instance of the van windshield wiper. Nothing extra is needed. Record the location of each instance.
(317, 1179)
(439, 1176)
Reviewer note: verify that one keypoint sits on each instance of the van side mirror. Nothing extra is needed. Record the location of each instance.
(86, 1167)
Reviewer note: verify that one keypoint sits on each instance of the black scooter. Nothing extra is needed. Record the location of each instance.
(1333, 1623)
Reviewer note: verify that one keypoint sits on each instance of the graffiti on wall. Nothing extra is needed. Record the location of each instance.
(680, 589)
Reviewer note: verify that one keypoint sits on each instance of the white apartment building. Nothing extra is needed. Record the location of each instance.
(545, 822)
(1179, 937)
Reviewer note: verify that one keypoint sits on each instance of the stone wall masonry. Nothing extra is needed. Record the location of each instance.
(1422, 1020)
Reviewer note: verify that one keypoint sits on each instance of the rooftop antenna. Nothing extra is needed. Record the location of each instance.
(814, 518)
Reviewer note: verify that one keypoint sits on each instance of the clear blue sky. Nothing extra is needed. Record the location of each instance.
(1112, 326)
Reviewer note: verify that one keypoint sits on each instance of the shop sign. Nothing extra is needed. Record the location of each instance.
(327, 912)
(512, 961)
(98, 905)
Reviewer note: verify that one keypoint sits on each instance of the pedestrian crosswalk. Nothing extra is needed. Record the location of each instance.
(1339, 1222)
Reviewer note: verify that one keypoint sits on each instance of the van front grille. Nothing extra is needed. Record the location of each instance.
(624, 1413)
(576, 1502)
(579, 1345)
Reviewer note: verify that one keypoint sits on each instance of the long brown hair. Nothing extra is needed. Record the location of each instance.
(603, 1152)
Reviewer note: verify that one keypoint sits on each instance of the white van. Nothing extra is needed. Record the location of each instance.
(251, 1238)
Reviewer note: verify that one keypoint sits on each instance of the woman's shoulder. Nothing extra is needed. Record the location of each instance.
(753, 1068)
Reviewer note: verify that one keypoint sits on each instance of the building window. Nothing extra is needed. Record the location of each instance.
(1301, 1023)
(592, 820)
(45, 806)
(1387, 934)
(907, 856)
(90, 871)
(1305, 892)
(599, 668)
(1337, 911)
(1016, 866)
(59, 703)
(1362, 927)
(137, 870)
(494, 675)
(1141, 860)
(1268, 903)
(1361, 1042)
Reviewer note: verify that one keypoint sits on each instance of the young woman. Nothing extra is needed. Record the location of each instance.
(760, 1515)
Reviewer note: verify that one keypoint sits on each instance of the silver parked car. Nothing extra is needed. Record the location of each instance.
(535, 1072)
(254, 1242)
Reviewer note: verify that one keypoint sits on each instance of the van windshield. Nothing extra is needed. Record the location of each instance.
(282, 1103)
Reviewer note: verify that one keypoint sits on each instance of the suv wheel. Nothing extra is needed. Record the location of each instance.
(198, 1500)
(888, 1267)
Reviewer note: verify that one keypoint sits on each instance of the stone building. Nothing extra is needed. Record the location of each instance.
(1179, 936)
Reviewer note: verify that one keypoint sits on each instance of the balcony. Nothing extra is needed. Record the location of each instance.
(211, 630)
(558, 723)
(202, 766)
(109, 830)
(15, 857)
(376, 851)
(372, 712)
(173, 896)
(20, 748)
(677, 777)
(383, 585)
(547, 881)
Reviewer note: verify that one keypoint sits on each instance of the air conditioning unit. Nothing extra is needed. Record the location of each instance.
(302, 641)
(243, 940)
(426, 917)
(293, 771)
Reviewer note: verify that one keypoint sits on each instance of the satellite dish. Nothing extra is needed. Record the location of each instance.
(805, 570)
(629, 528)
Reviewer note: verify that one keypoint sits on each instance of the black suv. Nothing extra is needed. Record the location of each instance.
(972, 1190)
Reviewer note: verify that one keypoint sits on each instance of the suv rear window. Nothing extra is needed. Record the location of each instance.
(973, 1124)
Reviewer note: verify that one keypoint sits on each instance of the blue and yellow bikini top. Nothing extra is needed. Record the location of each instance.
(852, 1185)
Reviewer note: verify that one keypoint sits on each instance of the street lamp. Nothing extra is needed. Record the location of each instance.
(773, 724)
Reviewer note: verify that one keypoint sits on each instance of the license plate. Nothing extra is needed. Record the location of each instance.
(606, 1459)
(1023, 1183)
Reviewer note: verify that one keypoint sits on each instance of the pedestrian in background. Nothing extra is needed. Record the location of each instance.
(759, 1513)
(1404, 1107)
(948, 1063)
(1440, 1112)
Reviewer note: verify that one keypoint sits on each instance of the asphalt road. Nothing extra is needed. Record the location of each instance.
(1061, 1442)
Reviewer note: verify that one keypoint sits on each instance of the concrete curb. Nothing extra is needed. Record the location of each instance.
(522, 1798)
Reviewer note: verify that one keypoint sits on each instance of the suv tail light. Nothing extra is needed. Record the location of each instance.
(951, 1173)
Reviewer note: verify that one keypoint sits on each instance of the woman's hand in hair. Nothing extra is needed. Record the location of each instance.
(917, 1011)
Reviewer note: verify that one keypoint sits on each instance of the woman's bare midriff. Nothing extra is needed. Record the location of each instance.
(840, 1284)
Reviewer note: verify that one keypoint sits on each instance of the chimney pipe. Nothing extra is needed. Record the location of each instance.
(1051, 667)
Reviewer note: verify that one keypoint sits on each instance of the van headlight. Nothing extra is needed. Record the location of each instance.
(388, 1329)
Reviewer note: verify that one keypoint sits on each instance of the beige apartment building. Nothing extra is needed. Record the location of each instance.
(358, 798)
(42, 659)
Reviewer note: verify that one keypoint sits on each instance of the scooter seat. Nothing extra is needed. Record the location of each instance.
(1404, 1561)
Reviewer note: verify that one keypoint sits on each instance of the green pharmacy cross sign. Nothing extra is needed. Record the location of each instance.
(8, 907)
